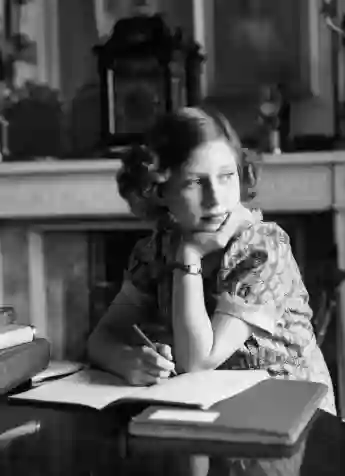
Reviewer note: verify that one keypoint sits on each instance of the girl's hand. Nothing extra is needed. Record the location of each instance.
(204, 243)
(148, 367)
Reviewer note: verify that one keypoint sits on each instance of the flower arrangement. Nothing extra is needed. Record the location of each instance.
(34, 116)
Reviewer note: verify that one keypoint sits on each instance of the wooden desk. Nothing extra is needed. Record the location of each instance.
(82, 442)
(70, 198)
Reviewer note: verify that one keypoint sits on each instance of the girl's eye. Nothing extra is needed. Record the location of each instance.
(192, 182)
(226, 177)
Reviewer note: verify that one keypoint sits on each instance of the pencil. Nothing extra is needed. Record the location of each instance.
(148, 342)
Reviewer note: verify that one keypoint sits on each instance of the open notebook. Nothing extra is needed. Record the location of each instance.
(96, 389)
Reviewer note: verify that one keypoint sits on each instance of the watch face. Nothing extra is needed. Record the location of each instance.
(194, 269)
(188, 268)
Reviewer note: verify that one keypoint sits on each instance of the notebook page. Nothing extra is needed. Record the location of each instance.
(89, 387)
(203, 388)
(97, 389)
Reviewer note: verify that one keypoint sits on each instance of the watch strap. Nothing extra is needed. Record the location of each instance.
(187, 268)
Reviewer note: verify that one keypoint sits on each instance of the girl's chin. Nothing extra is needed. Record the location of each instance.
(212, 224)
(208, 227)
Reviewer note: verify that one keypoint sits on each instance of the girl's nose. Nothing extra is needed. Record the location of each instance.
(210, 195)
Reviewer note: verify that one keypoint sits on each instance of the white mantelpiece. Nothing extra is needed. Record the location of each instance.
(45, 203)
(87, 189)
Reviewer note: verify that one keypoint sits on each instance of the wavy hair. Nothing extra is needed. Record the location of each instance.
(167, 146)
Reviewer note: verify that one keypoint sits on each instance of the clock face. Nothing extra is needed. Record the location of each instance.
(137, 102)
(137, 91)
(138, 94)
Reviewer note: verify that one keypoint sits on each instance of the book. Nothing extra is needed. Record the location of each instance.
(18, 364)
(57, 369)
(15, 334)
(273, 411)
(97, 389)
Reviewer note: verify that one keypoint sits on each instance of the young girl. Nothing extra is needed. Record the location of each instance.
(221, 283)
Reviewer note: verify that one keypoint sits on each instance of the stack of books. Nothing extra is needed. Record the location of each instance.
(22, 353)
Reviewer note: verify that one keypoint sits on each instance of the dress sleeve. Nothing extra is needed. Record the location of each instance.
(136, 298)
(262, 286)
(140, 274)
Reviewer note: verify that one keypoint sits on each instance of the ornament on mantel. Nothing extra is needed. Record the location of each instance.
(145, 69)
(144, 7)
(268, 117)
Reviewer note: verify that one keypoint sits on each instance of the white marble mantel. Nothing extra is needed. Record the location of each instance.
(86, 189)
(82, 195)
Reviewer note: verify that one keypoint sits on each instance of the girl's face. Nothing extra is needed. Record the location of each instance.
(202, 193)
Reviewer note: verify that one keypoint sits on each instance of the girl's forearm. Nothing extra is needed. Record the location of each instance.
(110, 344)
(193, 333)
(108, 352)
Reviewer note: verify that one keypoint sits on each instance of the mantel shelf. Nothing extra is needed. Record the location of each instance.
(87, 188)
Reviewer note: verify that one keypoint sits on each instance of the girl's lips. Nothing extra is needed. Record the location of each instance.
(214, 218)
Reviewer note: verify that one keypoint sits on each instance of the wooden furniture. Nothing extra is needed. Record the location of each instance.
(74, 441)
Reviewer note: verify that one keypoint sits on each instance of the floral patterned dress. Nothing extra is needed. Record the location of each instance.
(257, 280)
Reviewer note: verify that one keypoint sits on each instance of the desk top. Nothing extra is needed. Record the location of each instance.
(66, 441)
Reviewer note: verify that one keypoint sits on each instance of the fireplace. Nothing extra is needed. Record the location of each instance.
(109, 252)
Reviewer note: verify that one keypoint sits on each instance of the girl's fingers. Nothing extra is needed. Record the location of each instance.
(165, 351)
(154, 359)
(239, 215)
(140, 378)
(157, 373)
(147, 377)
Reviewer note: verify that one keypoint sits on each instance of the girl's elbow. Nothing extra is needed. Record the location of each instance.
(185, 364)
(211, 362)
(196, 365)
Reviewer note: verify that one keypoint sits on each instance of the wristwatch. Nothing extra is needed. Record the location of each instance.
(188, 268)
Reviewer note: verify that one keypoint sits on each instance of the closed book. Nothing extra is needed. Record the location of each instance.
(20, 363)
(273, 411)
(15, 334)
